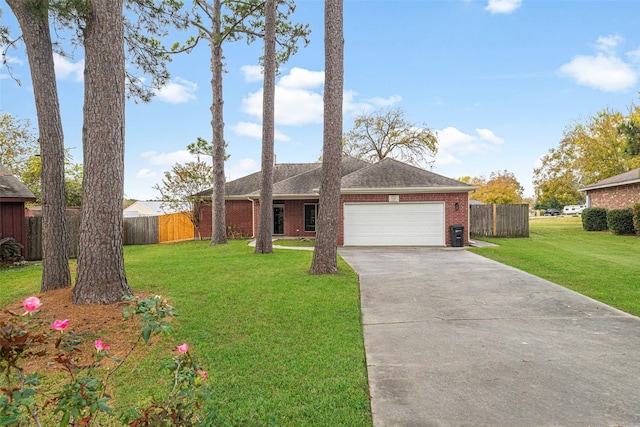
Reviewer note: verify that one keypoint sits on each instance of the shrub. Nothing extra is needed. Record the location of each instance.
(620, 221)
(636, 217)
(594, 219)
(9, 250)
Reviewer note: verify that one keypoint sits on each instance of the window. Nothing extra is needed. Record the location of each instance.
(310, 213)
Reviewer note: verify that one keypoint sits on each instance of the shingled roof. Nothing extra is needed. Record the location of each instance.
(631, 177)
(390, 174)
(11, 189)
(303, 179)
(308, 183)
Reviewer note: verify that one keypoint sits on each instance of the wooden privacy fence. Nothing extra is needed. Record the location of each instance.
(144, 230)
(499, 220)
(33, 246)
(141, 230)
(174, 227)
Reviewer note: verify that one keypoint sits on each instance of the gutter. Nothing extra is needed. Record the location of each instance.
(615, 184)
(407, 190)
(253, 216)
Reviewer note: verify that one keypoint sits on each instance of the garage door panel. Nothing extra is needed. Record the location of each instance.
(397, 224)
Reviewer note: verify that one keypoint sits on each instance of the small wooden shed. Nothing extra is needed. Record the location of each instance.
(13, 195)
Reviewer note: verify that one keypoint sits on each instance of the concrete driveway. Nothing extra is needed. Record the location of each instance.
(455, 339)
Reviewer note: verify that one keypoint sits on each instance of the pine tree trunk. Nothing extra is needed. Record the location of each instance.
(325, 255)
(264, 243)
(218, 226)
(101, 278)
(35, 32)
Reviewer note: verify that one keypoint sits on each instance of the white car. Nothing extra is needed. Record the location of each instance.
(572, 209)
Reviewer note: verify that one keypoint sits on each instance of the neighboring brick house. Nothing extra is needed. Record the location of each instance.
(388, 203)
(13, 195)
(617, 192)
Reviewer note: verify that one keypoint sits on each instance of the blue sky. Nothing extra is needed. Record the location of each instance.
(498, 80)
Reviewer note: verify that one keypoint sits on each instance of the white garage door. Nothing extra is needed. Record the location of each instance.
(394, 224)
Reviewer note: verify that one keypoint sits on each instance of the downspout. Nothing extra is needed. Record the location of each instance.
(253, 217)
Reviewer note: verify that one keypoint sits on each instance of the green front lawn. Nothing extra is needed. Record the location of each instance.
(281, 347)
(304, 242)
(600, 265)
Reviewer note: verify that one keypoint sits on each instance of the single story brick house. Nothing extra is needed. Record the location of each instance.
(13, 195)
(617, 192)
(388, 203)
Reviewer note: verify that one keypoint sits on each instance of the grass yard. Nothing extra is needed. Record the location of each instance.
(304, 242)
(281, 347)
(600, 265)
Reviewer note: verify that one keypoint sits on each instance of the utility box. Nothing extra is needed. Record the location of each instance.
(457, 235)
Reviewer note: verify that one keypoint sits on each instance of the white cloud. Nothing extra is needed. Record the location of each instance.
(146, 174)
(489, 136)
(604, 72)
(608, 44)
(251, 73)
(254, 130)
(299, 78)
(503, 6)
(351, 105)
(299, 99)
(385, 102)
(242, 168)
(634, 56)
(180, 156)
(453, 144)
(294, 107)
(177, 91)
(65, 69)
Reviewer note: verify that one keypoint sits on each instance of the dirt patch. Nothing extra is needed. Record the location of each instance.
(96, 321)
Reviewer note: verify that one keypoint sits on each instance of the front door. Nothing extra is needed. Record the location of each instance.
(278, 219)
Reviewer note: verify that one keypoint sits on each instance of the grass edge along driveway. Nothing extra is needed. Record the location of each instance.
(281, 347)
(600, 265)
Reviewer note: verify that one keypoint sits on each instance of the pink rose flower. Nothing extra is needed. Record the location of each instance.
(183, 348)
(100, 346)
(203, 374)
(60, 325)
(31, 304)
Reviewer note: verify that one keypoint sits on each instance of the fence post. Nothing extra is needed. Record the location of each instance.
(495, 221)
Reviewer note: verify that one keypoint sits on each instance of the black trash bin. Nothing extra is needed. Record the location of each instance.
(457, 236)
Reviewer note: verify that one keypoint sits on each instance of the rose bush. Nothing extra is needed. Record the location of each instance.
(85, 395)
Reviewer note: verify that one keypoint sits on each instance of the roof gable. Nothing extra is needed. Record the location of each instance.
(389, 174)
(309, 182)
(626, 178)
(11, 189)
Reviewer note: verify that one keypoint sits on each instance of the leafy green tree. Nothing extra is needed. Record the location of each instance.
(179, 187)
(556, 181)
(31, 177)
(73, 185)
(386, 133)
(500, 188)
(631, 131)
(18, 143)
(204, 148)
(588, 152)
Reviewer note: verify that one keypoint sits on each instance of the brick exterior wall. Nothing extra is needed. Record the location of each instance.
(293, 217)
(240, 217)
(451, 215)
(619, 197)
